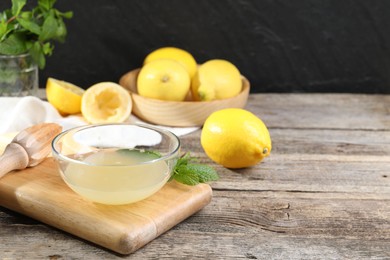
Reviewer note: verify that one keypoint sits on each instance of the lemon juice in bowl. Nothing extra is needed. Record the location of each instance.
(132, 180)
(117, 163)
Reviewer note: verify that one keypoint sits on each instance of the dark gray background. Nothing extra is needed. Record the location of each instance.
(281, 46)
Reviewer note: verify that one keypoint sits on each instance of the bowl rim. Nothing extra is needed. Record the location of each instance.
(58, 155)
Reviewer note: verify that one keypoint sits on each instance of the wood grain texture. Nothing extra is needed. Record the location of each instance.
(36, 140)
(323, 111)
(324, 193)
(29, 147)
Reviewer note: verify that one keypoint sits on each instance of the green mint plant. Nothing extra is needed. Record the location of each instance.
(189, 172)
(32, 31)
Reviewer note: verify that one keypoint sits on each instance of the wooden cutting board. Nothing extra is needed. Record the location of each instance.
(40, 193)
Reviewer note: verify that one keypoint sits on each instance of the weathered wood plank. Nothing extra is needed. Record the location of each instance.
(312, 160)
(238, 224)
(324, 193)
(311, 173)
(261, 245)
(322, 111)
(301, 214)
(332, 142)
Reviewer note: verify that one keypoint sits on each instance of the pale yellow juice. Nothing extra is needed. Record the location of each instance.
(122, 176)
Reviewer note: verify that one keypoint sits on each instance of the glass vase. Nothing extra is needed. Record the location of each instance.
(18, 76)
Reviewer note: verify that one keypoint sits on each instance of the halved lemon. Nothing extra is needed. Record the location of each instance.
(64, 96)
(106, 102)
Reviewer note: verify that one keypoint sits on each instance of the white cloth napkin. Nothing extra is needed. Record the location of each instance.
(18, 113)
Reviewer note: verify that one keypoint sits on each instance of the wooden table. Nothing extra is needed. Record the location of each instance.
(324, 193)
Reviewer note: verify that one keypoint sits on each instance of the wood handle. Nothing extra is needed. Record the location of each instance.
(14, 157)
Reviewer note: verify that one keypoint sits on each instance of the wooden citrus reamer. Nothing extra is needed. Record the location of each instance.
(30, 147)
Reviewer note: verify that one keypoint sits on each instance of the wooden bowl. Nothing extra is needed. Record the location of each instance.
(178, 113)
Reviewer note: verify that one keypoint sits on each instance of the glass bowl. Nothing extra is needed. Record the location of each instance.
(116, 163)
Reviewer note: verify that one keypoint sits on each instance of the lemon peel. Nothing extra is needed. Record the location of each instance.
(64, 96)
(163, 79)
(182, 56)
(216, 79)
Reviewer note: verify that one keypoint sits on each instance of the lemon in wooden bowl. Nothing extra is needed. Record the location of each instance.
(216, 79)
(164, 79)
(178, 113)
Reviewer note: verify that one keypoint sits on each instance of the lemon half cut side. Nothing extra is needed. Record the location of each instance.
(106, 102)
(64, 96)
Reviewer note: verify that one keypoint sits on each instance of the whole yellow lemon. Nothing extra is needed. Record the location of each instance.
(216, 79)
(163, 79)
(235, 138)
(181, 56)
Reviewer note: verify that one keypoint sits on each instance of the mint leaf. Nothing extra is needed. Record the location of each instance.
(47, 48)
(26, 15)
(46, 4)
(184, 175)
(49, 28)
(66, 15)
(192, 174)
(3, 29)
(184, 160)
(61, 31)
(13, 45)
(17, 6)
(204, 172)
(37, 54)
(29, 25)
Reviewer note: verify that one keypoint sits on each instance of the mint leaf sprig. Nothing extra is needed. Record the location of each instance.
(189, 172)
(32, 31)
